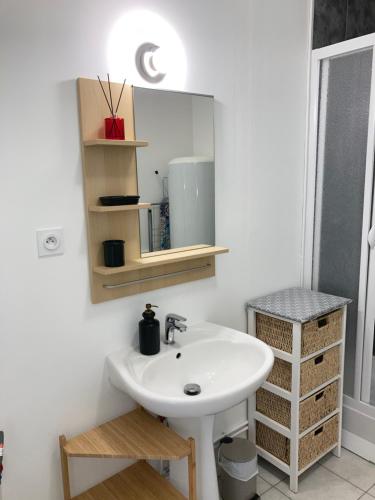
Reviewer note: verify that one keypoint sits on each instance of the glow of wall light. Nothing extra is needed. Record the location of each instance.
(132, 30)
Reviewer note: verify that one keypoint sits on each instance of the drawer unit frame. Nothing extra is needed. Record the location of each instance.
(294, 397)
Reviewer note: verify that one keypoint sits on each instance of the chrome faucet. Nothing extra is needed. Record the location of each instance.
(173, 323)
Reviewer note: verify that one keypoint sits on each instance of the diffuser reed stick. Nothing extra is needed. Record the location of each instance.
(105, 95)
(110, 105)
(119, 99)
(110, 96)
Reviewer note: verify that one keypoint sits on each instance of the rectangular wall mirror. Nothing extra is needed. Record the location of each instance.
(176, 172)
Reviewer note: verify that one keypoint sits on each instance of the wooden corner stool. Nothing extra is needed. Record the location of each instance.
(136, 435)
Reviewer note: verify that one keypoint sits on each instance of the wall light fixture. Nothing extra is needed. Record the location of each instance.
(146, 49)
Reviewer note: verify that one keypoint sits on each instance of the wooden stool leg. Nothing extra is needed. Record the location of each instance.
(192, 472)
(64, 469)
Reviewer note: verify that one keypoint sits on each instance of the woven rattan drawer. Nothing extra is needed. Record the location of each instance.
(310, 447)
(311, 410)
(314, 371)
(315, 334)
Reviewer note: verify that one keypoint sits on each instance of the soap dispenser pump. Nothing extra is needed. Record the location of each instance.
(149, 332)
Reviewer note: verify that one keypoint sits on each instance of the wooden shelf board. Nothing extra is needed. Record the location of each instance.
(138, 482)
(118, 208)
(135, 435)
(115, 142)
(161, 260)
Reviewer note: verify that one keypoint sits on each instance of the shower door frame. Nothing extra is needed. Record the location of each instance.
(361, 386)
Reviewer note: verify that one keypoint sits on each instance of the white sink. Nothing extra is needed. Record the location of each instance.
(228, 366)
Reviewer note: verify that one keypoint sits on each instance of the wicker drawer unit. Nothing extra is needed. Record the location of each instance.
(310, 447)
(314, 371)
(315, 334)
(298, 410)
(311, 410)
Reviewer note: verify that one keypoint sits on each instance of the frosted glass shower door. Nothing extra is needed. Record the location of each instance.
(342, 202)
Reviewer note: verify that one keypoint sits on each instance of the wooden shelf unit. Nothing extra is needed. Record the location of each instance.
(138, 482)
(110, 168)
(136, 435)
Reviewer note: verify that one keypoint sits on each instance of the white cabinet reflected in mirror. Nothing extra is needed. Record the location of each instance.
(176, 172)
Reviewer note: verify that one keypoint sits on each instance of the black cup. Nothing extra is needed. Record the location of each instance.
(114, 253)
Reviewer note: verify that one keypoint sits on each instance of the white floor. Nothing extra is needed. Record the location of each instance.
(346, 478)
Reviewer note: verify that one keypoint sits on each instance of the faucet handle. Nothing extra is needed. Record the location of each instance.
(172, 322)
(172, 317)
(180, 326)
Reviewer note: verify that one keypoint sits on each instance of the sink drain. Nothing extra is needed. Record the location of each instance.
(192, 389)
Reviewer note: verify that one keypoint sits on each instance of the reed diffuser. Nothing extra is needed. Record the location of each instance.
(114, 126)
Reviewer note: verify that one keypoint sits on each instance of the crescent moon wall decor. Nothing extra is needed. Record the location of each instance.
(147, 64)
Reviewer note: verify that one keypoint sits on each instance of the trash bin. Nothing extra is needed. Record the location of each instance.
(238, 469)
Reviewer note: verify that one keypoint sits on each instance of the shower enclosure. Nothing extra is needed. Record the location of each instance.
(339, 253)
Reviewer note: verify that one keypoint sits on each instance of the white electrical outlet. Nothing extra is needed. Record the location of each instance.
(50, 241)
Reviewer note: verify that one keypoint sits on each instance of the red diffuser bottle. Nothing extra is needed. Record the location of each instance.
(114, 128)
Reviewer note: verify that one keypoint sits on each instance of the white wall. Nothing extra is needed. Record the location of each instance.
(203, 126)
(252, 56)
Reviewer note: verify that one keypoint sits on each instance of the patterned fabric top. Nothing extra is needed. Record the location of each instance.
(298, 304)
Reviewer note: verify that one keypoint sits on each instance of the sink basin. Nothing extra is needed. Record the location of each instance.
(228, 367)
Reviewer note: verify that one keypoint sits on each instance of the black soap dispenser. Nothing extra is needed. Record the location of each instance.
(149, 332)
